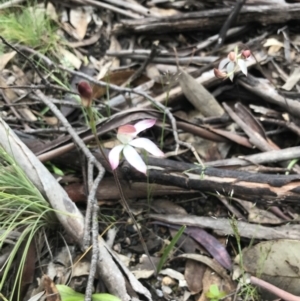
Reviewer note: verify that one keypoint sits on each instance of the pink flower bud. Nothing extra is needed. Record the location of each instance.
(246, 53)
(219, 74)
(86, 93)
(232, 56)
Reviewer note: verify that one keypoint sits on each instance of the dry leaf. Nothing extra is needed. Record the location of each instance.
(273, 42)
(193, 274)
(51, 12)
(163, 12)
(292, 80)
(5, 58)
(276, 262)
(259, 216)
(175, 275)
(80, 19)
(199, 97)
(211, 278)
(274, 45)
(69, 58)
(52, 293)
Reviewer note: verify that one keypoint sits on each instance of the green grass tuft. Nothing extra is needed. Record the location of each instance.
(23, 213)
(30, 27)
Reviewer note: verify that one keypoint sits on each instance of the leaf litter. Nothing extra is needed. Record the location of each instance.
(223, 92)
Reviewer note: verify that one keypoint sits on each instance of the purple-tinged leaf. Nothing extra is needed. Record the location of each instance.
(209, 242)
(212, 245)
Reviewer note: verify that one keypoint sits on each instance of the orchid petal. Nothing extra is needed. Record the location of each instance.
(223, 63)
(230, 67)
(127, 129)
(134, 159)
(230, 70)
(126, 133)
(114, 156)
(144, 124)
(147, 145)
(243, 66)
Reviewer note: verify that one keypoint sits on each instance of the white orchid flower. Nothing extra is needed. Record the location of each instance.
(228, 66)
(127, 136)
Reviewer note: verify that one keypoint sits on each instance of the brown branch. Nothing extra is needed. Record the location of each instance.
(255, 187)
(211, 19)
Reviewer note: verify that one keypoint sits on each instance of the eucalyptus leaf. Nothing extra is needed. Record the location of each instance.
(275, 261)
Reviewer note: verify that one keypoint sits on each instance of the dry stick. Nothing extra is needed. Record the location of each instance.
(230, 20)
(165, 60)
(211, 19)
(148, 60)
(266, 91)
(260, 158)
(133, 6)
(92, 218)
(45, 81)
(109, 7)
(92, 202)
(39, 87)
(288, 124)
(273, 289)
(10, 3)
(255, 138)
(270, 79)
(15, 112)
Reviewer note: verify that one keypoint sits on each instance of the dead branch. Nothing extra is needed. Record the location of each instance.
(223, 226)
(255, 187)
(211, 19)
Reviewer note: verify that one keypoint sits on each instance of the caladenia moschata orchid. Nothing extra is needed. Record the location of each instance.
(127, 135)
(229, 65)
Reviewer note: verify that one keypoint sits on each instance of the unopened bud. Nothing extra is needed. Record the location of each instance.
(219, 74)
(86, 93)
(246, 53)
(232, 56)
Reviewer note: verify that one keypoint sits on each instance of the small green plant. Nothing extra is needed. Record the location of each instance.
(200, 166)
(169, 248)
(214, 293)
(30, 27)
(247, 291)
(25, 212)
(68, 294)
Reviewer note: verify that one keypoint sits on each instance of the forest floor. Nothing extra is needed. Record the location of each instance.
(149, 150)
